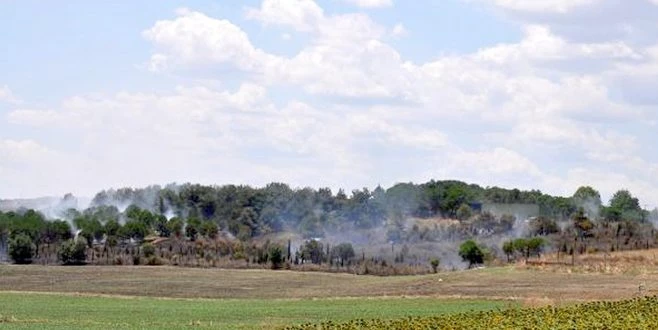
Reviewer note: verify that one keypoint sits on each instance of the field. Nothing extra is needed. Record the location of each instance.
(173, 297)
(37, 310)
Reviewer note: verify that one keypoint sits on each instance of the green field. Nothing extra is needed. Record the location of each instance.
(56, 311)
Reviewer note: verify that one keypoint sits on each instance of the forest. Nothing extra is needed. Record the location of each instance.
(407, 228)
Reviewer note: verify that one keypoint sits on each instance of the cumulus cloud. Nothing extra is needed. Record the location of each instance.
(552, 110)
(559, 6)
(371, 3)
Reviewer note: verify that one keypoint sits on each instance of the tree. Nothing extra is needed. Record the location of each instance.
(134, 229)
(275, 255)
(209, 229)
(623, 206)
(192, 228)
(161, 225)
(535, 245)
(73, 252)
(464, 212)
(471, 252)
(435, 264)
(112, 228)
(312, 250)
(520, 245)
(508, 249)
(589, 199)
(344, 252)
(175, 227)
(21, 249)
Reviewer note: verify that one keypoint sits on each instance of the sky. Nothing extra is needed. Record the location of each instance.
(542, 94)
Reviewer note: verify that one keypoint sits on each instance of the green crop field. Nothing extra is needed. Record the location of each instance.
(56, 311)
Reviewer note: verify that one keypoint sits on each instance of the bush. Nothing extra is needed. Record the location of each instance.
(21, 249)
(275, 255)
(73, 252)
(471, 252)
(435, 264)
(154, 261)
(148, 250)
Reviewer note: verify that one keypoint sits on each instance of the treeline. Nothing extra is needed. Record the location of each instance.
(214, 222)
(246, 212)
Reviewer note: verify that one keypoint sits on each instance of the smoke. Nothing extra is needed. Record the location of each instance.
(591, 206)
(51, 207)
(653, 217)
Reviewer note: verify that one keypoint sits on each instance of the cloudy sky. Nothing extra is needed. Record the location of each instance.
(545, 94)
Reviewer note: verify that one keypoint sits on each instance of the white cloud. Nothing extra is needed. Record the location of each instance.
(399, 31)
(371, 3)
(549, 111)
(560, 6)
(194, 37)
(303, 15)
(6, 95)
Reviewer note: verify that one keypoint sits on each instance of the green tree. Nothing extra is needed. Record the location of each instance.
(535, 246)
(175, 226)
(21, 249)
(209, 229)
(623, 206)
(521, 246)
(73, 252)
(508, 249)
(435, 264)
(471, 252)
(275, 256)
(161, 227)
(134, 229)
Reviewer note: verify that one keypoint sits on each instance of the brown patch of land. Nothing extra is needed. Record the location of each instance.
(521, 283)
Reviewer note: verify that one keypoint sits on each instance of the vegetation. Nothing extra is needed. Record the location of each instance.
(73, 252)
(435, 264)
(638, 313)
(237, 226)
(38, 311)
(472, 253)
(21, 249)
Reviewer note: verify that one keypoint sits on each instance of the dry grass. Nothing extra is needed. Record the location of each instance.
(528, 285)
(622, 262)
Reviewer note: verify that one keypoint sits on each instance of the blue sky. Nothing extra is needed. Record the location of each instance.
(340, 93)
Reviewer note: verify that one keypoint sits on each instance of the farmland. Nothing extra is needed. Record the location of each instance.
(174, 297)
(37, 310)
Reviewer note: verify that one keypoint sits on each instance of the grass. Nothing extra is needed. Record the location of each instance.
(38, 310)
(104, 297)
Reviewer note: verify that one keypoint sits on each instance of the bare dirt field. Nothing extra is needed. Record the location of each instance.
(521, 283)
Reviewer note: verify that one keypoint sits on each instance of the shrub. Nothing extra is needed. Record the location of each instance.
(471, 252)
(435, 264)
(275, 255)
(21, 249)
(148, 250)
(73, 252)
(154, 261)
